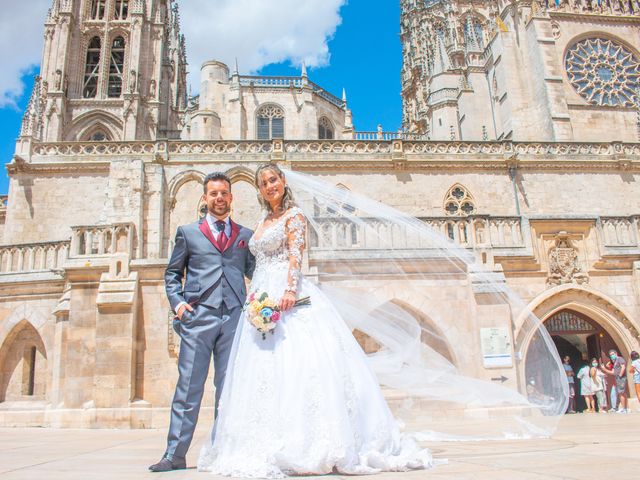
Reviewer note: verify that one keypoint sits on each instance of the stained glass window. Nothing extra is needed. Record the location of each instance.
(604, 72)
(270, 122)
(325, 129)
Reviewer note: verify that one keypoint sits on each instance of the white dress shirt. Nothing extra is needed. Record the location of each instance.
(211, 220)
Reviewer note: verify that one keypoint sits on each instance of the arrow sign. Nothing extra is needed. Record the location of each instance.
(500, 379)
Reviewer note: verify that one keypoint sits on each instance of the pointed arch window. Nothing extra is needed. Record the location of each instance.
(122, 10)
(459, 202)
(97, 9)
(270, 122)
(473, 34)
(116, 67)
(325, 129)
(92, 69)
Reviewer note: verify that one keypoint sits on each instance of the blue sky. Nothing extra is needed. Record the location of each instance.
(364, 57)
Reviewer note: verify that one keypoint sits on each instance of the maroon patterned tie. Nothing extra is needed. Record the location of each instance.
(222, 236)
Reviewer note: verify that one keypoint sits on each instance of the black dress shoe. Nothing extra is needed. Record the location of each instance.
(166, 465)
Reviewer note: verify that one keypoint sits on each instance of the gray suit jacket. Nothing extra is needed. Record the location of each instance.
(207, 264)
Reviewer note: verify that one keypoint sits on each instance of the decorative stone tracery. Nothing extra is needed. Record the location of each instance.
(604, 72)
(459, 202)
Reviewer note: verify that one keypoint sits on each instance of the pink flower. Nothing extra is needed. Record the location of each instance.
(252, 297)
(275, 317)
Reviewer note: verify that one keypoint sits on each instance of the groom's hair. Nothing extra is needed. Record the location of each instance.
(215, 176)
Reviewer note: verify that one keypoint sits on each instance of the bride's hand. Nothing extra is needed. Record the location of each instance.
(287, 301)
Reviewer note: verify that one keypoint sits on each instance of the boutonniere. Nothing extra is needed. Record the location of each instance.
(242, 244)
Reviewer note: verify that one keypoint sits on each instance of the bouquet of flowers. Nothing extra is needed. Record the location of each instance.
(264, 313)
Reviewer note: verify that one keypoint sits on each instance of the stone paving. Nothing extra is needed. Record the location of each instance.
(601, 446)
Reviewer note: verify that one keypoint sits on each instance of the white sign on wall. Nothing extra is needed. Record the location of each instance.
(496, 347)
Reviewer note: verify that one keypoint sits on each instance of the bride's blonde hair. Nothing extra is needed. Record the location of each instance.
(287, 199)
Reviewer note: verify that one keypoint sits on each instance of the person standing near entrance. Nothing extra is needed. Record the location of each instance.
(587, 388)
(568, 369)
(635, 370)
(619, 371)
(599, 386)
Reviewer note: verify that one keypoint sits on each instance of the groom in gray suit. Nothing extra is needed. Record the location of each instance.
(214, 254)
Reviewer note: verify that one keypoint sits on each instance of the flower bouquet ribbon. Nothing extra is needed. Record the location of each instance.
(264, 313)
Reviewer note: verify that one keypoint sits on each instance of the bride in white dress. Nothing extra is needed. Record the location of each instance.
(303, 400)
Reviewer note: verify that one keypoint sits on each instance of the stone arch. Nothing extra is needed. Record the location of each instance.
(237, 174)
(19, 314)
(245, 209)
(326, 128)
(88, 122)
(475, 19)
(179, 180)
(23, 364)
(583, 299)
(184, 199)
(431, 335)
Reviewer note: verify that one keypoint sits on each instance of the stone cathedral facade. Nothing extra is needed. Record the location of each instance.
(520, 142)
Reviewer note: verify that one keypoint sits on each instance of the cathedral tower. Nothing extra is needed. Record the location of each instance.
(111, 70)
(547, 70)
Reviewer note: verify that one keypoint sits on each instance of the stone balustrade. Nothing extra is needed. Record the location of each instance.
(468, 232)
(593, 7)
(102, 240)
(272, 81)
(220, 147)
(363, 143)
(443, 95)
(381, 135)
(33, 257)
(73, 149)
(254, 81)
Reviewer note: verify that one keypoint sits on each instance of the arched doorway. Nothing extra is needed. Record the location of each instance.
(23, 364)
(579, 337)
(575, 334)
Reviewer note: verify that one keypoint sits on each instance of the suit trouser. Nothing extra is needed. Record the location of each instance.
(204, 332)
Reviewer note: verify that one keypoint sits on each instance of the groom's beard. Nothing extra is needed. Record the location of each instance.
(220, 210)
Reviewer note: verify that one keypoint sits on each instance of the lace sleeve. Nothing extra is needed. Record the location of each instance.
(295, 229)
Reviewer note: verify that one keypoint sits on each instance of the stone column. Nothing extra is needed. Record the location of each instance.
(153, 219)
(115, 351)
(59, 354)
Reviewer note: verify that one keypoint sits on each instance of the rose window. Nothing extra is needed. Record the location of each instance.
(604, 72)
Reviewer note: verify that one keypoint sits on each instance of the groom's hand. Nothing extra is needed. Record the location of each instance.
(182, 309)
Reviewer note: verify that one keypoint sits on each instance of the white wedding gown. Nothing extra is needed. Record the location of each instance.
(304, 400)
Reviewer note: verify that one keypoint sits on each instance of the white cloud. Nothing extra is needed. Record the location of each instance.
(256, 32)
(21, 37)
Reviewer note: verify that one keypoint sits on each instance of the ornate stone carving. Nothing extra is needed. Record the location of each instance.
(564, 265)
(604, 72)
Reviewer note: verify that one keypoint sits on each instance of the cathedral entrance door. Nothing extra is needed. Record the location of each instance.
(581, 338)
